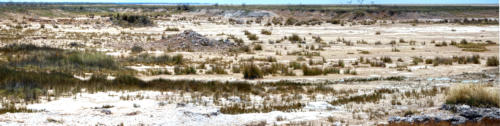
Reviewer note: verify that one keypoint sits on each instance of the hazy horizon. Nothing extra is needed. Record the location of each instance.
(263, 2)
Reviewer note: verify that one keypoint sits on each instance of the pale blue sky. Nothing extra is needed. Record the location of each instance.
(281, 1)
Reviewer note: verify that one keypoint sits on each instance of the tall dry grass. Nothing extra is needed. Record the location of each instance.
(474, 95)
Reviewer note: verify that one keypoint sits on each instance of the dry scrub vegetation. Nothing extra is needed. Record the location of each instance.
(474, 95)
(292, 65)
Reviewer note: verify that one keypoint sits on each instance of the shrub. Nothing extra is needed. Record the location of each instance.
(472, 47)
(307, 71)
(265, 32)
(137, 49)
(218, 70)
(428, 61)
(92, 60)
(251, 71)
(235, 69)
(171, 29)
(417, 60)
(473, 95)
(131, 20)
(164, 59)
(13, 109)
(294, 38)
(393, 42)
(317, 39)
(251, 36)
(331, 70)
(492, 61)
(184, 70)
(463, 41)
(395, 50)
(365, 52)
(341, 63)
(291, 21)
(295, 65)
(239, 41)
(386, 59)
(440, 60)
(469, 59)
(333, 21)
(257, 47)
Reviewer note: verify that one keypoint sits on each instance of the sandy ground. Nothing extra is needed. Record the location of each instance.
(81, 109)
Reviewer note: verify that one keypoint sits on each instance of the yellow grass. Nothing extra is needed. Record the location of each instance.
(474, 95)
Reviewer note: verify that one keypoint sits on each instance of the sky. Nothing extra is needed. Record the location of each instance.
(249, 2)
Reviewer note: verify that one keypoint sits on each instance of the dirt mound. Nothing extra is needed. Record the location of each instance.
(191, 41)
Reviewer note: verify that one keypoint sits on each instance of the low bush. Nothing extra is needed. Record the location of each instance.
(125, 20)
(136, 49)
(294, 38)
(171, 29)
(467, 59)
(441, 60)
(492, 61)
(308, 71)
(251, 71)
(472, 47)
(386, 59)
(265, 32)
(257, 47)
(218, 70)
(159, 60)
(179, 70)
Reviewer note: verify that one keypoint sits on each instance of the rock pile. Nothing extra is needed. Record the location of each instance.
(463, 114)
(191, 41)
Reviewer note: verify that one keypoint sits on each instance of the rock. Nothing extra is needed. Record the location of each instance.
(470, 114)
(463, 108)
(455, 120)
(394, 119)
(51, 120)
(106, 111)
(137, 105)
(464, 113)
(133, 113)
(319, 106)
(181, 105)
(162, 103)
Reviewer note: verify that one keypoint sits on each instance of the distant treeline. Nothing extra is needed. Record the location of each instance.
(188, 7)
